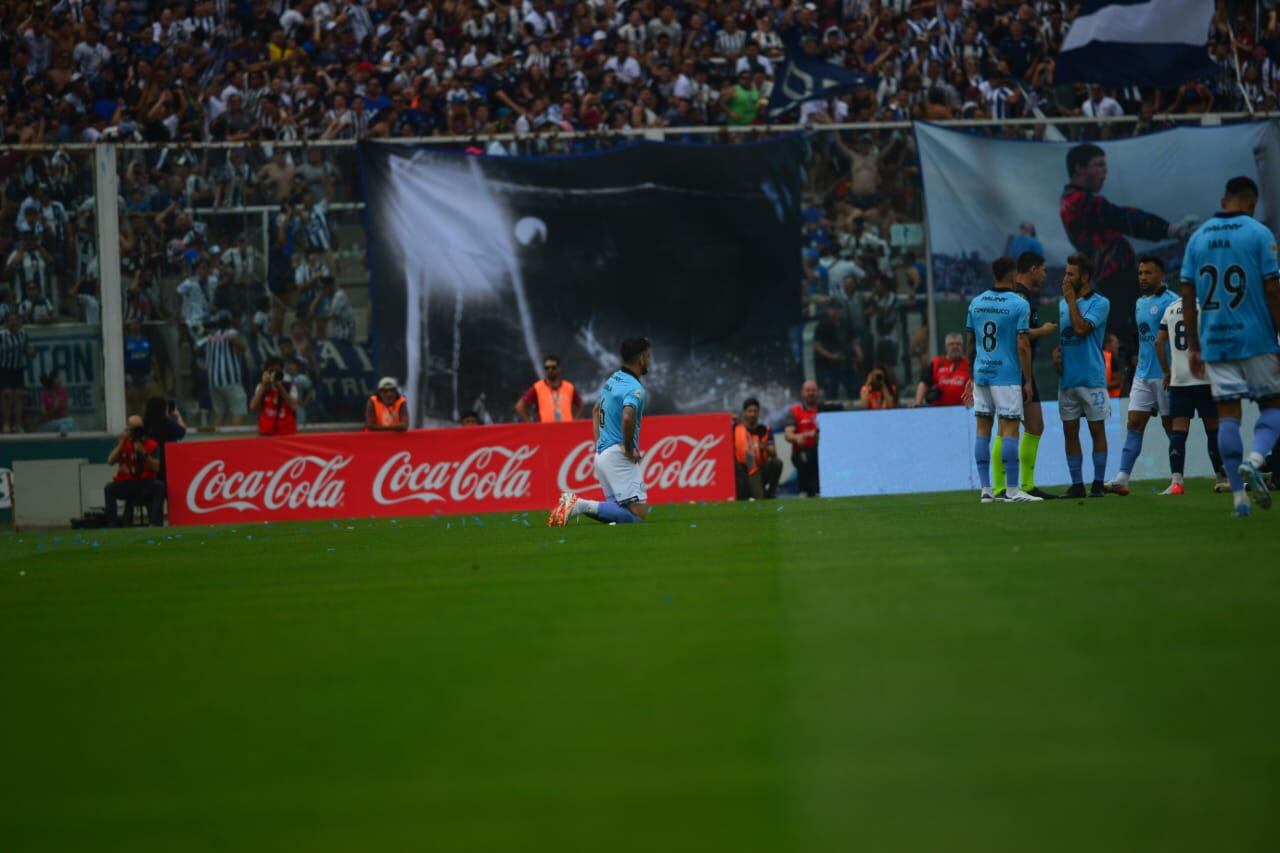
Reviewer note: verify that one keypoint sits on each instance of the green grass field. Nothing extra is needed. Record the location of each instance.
(908, 673)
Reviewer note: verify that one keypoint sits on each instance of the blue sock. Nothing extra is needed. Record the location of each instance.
(1132, 447)
(1075, 464)
(1231, 446)
(610, 511)
(1099, 465)
(982, 456)
(1266, 431)
(1178, 452)
(1215, 455)
(1009, 453)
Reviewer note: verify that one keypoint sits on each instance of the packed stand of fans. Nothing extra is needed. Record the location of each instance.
(265, 72)
(246, 70)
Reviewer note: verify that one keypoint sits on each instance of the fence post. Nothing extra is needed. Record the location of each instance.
(107, 215)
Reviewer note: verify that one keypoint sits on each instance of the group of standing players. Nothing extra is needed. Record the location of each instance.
(1201, 352)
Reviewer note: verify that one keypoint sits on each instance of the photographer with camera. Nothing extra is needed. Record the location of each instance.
(881, 390)
(274, 402)
(136, 477)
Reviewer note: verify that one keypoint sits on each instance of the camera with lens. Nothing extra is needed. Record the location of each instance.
(136, 433)
(277, 376)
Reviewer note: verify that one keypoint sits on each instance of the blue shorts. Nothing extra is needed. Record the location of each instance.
(1187, 401)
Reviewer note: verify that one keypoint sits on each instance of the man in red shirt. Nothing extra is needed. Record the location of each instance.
(135, 480)
(801, 431)
(275, 402)
(944, 380)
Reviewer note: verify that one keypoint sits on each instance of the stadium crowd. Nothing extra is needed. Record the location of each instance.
(76, 70)
(262, 72)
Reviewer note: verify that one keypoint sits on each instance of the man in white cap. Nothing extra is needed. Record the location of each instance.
(386, 411)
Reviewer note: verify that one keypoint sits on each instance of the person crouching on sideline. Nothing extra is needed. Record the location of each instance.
(757, 467)
(554, 397)
(274, 402)
(386, 410)
(138, 465)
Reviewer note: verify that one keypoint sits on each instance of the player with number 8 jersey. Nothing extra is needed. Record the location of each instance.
(1231, 307)
(998, 323)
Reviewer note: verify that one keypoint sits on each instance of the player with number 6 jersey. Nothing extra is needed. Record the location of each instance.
(615, 419)
(1231, 307)
(998, 322)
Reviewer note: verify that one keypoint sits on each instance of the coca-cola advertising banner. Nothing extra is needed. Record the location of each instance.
(428, 472)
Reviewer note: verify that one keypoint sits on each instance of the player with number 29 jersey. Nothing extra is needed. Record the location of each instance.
(1227, 260)
(1230, 267)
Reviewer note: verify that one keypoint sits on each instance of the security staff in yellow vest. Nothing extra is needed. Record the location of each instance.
(386, 410)
(555, 399)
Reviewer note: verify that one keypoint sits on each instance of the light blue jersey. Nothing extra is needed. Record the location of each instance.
(996, 319)
(1082, 363)
(1148, 311)
(1227, 260)
(620, 390)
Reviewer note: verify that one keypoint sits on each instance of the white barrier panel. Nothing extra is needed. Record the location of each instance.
(903, 451)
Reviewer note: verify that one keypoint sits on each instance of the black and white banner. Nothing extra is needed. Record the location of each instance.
(1125, 43)
(483, 265)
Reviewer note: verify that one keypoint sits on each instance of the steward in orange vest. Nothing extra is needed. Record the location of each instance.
(757, 468)
(385, 411)
(556, 399)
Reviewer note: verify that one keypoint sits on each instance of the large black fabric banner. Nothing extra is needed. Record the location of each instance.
(481, 265)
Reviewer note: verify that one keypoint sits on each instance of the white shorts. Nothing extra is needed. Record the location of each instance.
(228, 400)
(621, 479)
(1255, 378)
(1092, 404)
(1003, 401)
(1149, 395)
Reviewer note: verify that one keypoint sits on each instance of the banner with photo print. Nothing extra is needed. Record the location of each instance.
(1113, 200)
(483, 265)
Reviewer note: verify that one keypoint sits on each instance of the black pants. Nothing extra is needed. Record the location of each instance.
(763, 484)
(806, 465)
(148, 492)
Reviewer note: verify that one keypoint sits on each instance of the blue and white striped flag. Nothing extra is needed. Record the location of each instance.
(1137, 43)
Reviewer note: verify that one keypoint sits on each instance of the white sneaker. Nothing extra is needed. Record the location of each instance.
(987, 497)
(1017, 496)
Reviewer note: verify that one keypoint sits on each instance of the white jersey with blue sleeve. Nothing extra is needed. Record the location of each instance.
(1227, 260)
(1148, 312)
(996, 319)
(621, 390)
(1082, 362)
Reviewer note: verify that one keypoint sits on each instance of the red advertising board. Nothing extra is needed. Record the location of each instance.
(426, 472)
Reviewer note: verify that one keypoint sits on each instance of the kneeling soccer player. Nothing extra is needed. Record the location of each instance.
(615, 419)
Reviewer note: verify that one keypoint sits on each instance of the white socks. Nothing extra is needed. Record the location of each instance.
(1257, 459)
(584, 505)
(1122, 479)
